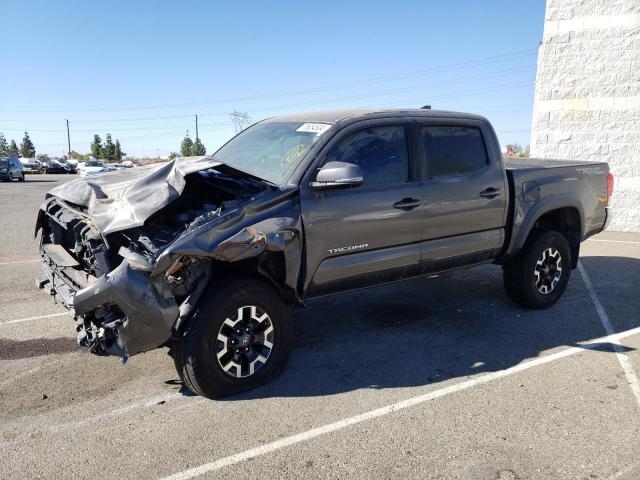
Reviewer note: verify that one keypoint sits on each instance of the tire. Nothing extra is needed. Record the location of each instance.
(213, 327)
(538, 276)
(22, 178)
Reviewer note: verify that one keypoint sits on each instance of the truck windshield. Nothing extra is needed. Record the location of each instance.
(271, 150)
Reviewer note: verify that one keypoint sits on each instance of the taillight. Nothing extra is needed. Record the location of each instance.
(609, 186)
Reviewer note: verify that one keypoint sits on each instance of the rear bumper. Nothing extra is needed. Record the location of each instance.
(607, 220)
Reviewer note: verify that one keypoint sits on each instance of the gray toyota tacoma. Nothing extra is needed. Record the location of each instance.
(205, 255)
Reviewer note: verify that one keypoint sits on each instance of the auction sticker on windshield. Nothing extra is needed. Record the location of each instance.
(313, 128)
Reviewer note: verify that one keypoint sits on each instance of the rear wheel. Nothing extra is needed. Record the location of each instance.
(22, 177)
(238, 338)
(538, 276)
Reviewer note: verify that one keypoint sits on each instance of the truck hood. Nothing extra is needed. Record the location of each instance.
(126, 199)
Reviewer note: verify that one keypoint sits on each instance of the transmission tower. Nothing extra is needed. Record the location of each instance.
(240, 120)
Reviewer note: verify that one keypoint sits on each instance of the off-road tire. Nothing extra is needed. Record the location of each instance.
(195, 352)
(519, 274)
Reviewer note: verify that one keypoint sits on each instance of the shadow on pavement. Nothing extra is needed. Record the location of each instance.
(427, 331)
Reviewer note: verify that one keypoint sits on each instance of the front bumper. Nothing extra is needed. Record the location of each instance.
(118, 311)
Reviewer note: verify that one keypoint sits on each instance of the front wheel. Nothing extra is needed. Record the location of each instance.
(538, 276)
(22, 178)
(238, 337)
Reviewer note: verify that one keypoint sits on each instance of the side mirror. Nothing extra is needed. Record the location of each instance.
(338, 175)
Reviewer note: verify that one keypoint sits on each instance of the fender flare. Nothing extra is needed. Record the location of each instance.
(556, 202)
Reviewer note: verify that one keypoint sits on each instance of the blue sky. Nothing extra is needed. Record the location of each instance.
(141, 69)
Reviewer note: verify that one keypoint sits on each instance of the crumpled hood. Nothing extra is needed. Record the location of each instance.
(126, 199)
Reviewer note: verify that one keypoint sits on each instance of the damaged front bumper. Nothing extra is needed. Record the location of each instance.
(120, 313)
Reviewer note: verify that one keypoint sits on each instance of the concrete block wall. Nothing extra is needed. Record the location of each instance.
(587, 98)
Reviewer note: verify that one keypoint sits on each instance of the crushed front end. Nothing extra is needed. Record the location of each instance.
(116, 305)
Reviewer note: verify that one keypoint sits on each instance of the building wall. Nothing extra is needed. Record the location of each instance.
(587, 99)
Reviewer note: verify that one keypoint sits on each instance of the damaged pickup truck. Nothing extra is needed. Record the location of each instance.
(205, 255)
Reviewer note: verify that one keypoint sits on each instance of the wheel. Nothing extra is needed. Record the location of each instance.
(22, 177)
(238, 337)
(538, 276)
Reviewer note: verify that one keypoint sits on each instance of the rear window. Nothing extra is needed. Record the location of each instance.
(453, 150)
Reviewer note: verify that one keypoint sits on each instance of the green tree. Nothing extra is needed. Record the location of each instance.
(198, 148)
(109, 149)
(172, 155)
(13, 149)
(27, 149)
(4, 146)
(96, 146)
(118, 153)
(186, 146)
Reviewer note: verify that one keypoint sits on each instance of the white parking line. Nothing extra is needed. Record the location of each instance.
(612, 241)
(379, 412)
(20, 320)
(20, 261)
(629, 372)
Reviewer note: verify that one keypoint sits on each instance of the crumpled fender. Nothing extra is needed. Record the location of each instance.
(270, 225)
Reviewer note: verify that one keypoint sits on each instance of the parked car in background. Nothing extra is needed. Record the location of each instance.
(113, 167)
(53, 166)
(69, 167)
(92, 167)
(127, 164)
(10, 169)
(31, 165)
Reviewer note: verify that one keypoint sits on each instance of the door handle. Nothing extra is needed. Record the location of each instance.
(490, 192)
(407, 203)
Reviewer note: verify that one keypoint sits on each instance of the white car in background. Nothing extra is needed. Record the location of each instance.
(127, 164)
(91, 167)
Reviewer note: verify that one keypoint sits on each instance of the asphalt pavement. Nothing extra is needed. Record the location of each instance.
(438, 377)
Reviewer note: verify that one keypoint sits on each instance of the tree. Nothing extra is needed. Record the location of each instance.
(96, 146)
(4, 146)
(27, 150)
(118, 153)
(172, 155)
(186, 146)
(198, 148)
(13, 149)
(109, 149)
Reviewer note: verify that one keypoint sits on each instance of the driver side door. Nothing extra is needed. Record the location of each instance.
(369, 234)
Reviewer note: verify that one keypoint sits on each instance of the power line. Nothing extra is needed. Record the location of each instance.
(431, 70)
(446, 82)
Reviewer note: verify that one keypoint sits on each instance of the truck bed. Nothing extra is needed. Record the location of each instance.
(539, 185)
(515, 163)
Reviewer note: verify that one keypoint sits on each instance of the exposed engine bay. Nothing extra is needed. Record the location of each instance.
(122, 299)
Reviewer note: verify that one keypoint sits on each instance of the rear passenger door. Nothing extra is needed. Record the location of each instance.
(465, 195)
(368, 234)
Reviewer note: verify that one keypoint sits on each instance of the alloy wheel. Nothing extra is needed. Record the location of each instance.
(245, 341)
(548, 270)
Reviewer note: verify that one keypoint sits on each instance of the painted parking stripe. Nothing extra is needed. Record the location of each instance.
(379, 412)
(20, 320)
(20, 261)
(613, 241)
(626, 365)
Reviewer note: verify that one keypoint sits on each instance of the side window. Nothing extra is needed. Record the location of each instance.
(381, 152)
(453, 150)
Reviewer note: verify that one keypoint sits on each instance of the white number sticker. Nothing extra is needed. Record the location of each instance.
(313, 128)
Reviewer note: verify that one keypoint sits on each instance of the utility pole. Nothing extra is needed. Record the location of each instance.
(196, 126)
(68, 140)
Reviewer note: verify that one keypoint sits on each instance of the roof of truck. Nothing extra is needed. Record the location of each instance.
(334, 116)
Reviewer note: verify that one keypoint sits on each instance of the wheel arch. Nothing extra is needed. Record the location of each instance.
(562, 213)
